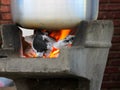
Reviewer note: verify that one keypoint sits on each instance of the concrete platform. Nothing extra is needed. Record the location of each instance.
(86, 59)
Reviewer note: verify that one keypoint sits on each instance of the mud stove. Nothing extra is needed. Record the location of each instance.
(80, 67)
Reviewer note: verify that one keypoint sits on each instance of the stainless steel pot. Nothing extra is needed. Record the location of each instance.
(53, 14)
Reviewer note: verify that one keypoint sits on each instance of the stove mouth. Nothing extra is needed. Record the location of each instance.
(41, 43)
(46, 43)
(14, 44)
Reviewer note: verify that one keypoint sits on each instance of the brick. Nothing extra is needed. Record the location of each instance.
(112, 69)
(117, 31)
(109, 15)
(5, 2)
(109, 1)
(116, 22)
(115, 47)
(5, 21)
(114, 89)
(113, 84)
(4, 8)
(109, 7)
(111, 77)
(116, 39)
(114, 62)
(6, 16)
(114, 54)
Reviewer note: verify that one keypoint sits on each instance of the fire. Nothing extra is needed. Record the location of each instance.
(54, 53)
(58, 36)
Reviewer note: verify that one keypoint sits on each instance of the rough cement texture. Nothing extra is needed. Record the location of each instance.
(86, 59)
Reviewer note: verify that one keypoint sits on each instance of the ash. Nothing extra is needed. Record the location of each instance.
(42, 44)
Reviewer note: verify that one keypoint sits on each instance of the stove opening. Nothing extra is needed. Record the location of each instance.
(45, 43)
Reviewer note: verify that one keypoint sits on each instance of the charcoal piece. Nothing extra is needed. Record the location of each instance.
(39, 43)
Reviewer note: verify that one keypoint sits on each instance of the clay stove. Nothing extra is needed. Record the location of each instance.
(80, 67)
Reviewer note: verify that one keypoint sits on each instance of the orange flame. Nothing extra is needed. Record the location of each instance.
(58, 36)
(64, 33)
(54, 53)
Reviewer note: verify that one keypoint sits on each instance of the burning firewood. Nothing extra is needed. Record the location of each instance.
(44, 45)
(41, 43)
(60, 44)
(64, 42)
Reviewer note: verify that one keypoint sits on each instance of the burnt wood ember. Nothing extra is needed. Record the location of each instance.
(43, 43)
(65, 42)
(39, 42)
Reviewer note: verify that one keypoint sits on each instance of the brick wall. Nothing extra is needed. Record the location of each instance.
(5, 16)
(109, 9)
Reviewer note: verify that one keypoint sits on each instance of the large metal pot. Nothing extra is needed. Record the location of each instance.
(53, 14)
